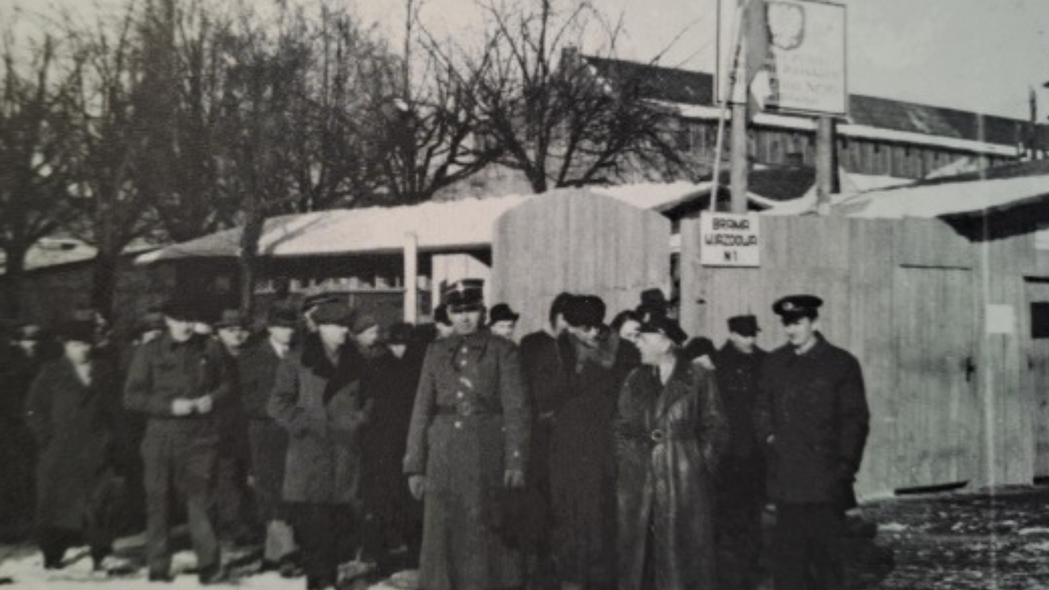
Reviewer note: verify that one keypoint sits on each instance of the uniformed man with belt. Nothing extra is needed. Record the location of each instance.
(177, 380)
(466, 447)
(812, 416)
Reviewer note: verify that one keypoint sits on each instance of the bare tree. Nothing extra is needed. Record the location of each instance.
(558, 120)
(34, 140)
(110, 132)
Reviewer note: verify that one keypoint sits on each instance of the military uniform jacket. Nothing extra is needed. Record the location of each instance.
(469, 424)
(164, 370)
(815, 406)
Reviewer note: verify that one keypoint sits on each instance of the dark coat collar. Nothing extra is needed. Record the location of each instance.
(681, 381)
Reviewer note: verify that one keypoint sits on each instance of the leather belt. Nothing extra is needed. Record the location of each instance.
(465, 409)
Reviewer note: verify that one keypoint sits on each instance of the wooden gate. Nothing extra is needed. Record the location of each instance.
(579, 242)
(937, 405)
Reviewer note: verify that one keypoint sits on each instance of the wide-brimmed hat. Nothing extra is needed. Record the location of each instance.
(76, 330)
(502, 312)
(283, 316)
(665, 326)
(231, 318)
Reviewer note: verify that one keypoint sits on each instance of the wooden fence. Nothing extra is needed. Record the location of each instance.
(950, 400)
(578, 242)
(937, 313)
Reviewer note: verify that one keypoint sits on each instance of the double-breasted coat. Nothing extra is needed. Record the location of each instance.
(668, 438)
(322, 411)
(74, 425)
(814, 406)
(470, 423)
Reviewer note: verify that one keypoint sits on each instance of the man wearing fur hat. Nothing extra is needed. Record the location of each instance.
(467, 451)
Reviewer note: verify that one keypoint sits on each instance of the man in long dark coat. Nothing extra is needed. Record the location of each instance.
(20, 360)
(177, 380)
(541, 365)
(813, 420)
(72, 410)
(268, 441)
(467, 451)
(741, 476)
(670, 432)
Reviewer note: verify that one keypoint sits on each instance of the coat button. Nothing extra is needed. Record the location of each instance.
(458, 424)
(462, 363)
(460, 395)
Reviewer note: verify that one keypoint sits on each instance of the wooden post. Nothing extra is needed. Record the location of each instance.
(740, 158)
(824, 164)
(411, 278)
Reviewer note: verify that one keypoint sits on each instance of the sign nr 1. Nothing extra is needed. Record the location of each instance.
(728, 239)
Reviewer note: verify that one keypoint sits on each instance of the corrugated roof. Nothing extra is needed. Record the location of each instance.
(697, 88)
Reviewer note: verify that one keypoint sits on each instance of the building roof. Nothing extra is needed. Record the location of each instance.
(912, 122)
(992, 190)
(439, 226)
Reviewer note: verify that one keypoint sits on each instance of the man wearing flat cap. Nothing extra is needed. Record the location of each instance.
(741, 479)
(670, 432)
(467, 450)
(812, 420)
(176, 381)
(268, 441)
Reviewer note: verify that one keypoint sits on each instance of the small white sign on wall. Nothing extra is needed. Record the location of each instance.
(1001, 319)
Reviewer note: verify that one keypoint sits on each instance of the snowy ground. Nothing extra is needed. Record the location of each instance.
(956, 541)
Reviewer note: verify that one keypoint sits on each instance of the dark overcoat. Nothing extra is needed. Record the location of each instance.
(814, 406)
(268, 441)
(469, 424)
(668, 438)
(323, 413)
(74, 425)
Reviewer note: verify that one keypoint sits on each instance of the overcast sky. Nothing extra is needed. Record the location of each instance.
(969, 54)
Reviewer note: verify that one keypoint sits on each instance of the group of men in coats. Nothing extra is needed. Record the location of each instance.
(693, 451)
(649, 471)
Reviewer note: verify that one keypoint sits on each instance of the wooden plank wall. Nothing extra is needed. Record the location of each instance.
(853, 265)
(579, 242)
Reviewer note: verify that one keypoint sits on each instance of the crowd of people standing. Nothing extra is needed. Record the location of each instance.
(593, 455)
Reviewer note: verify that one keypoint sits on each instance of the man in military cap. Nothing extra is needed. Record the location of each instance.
(812, 419)
(467, 445)
(741, 483)
(177, 380)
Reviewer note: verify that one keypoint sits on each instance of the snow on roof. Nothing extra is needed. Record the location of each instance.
(950, 198)
(55, 251)
(437, 225)
(852, 184)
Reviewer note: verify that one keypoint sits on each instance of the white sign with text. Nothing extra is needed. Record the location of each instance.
(728, 239)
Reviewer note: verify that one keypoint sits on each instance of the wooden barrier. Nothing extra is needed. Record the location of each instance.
(579, 242)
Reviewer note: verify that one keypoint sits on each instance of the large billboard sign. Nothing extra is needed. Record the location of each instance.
(804, 66)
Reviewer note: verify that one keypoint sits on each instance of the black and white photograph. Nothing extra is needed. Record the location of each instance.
(524, 294)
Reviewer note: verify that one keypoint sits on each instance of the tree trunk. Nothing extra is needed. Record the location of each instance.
(14, 272)
(249, 258)
(104, 281)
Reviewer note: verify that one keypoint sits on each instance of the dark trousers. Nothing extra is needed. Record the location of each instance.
(180, 466)
(806, 547)
(327, 535)
(55, 541)
(738, 523)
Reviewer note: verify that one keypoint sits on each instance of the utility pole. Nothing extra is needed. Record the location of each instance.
(740, 160)
(824, 163)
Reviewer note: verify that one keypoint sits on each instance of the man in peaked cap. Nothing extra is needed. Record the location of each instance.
(740, 486)
(812, 419)
(176, 381)
(467, 447)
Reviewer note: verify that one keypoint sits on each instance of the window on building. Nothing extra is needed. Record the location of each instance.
(1039, 319)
